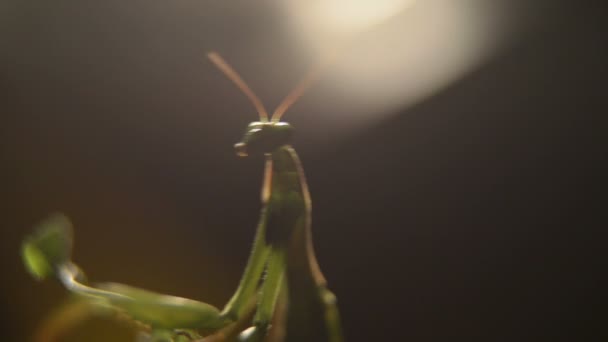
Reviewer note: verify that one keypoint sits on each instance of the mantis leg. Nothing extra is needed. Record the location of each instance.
(47, 252)
(238, 304)
(268, 296)
(271, 287)
(312, 312)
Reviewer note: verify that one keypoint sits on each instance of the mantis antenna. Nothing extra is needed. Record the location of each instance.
(221, 64)
(311, 76)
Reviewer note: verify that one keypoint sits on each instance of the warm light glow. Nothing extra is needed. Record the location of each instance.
(392, 53)
(348, 16)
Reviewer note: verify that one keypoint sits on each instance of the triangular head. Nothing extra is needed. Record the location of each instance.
(264, 137)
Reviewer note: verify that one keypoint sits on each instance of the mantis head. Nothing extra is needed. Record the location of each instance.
(266, 135)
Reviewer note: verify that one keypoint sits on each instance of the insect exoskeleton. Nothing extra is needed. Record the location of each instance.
(264, 137)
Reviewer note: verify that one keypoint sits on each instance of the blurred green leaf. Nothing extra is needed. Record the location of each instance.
(48, 247)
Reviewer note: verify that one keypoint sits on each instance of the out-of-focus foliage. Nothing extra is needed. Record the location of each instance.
(49, 247)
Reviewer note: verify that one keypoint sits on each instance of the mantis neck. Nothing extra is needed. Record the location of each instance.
(285, 175)
(287, 199)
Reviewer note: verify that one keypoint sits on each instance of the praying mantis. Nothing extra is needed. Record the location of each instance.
(282, 284)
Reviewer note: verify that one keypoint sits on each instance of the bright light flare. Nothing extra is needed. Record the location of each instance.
(393, 52)
(349, 16)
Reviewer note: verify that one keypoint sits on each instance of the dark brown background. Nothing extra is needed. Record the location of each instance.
(473, 215)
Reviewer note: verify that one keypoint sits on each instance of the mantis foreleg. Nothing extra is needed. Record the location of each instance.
(269, 293)
(271, 287)
(248, 285)
(47, 252)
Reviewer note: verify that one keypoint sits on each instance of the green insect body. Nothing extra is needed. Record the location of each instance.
(282, 256)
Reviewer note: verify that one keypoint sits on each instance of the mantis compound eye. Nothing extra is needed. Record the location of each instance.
(261, 138)
(241, 149)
